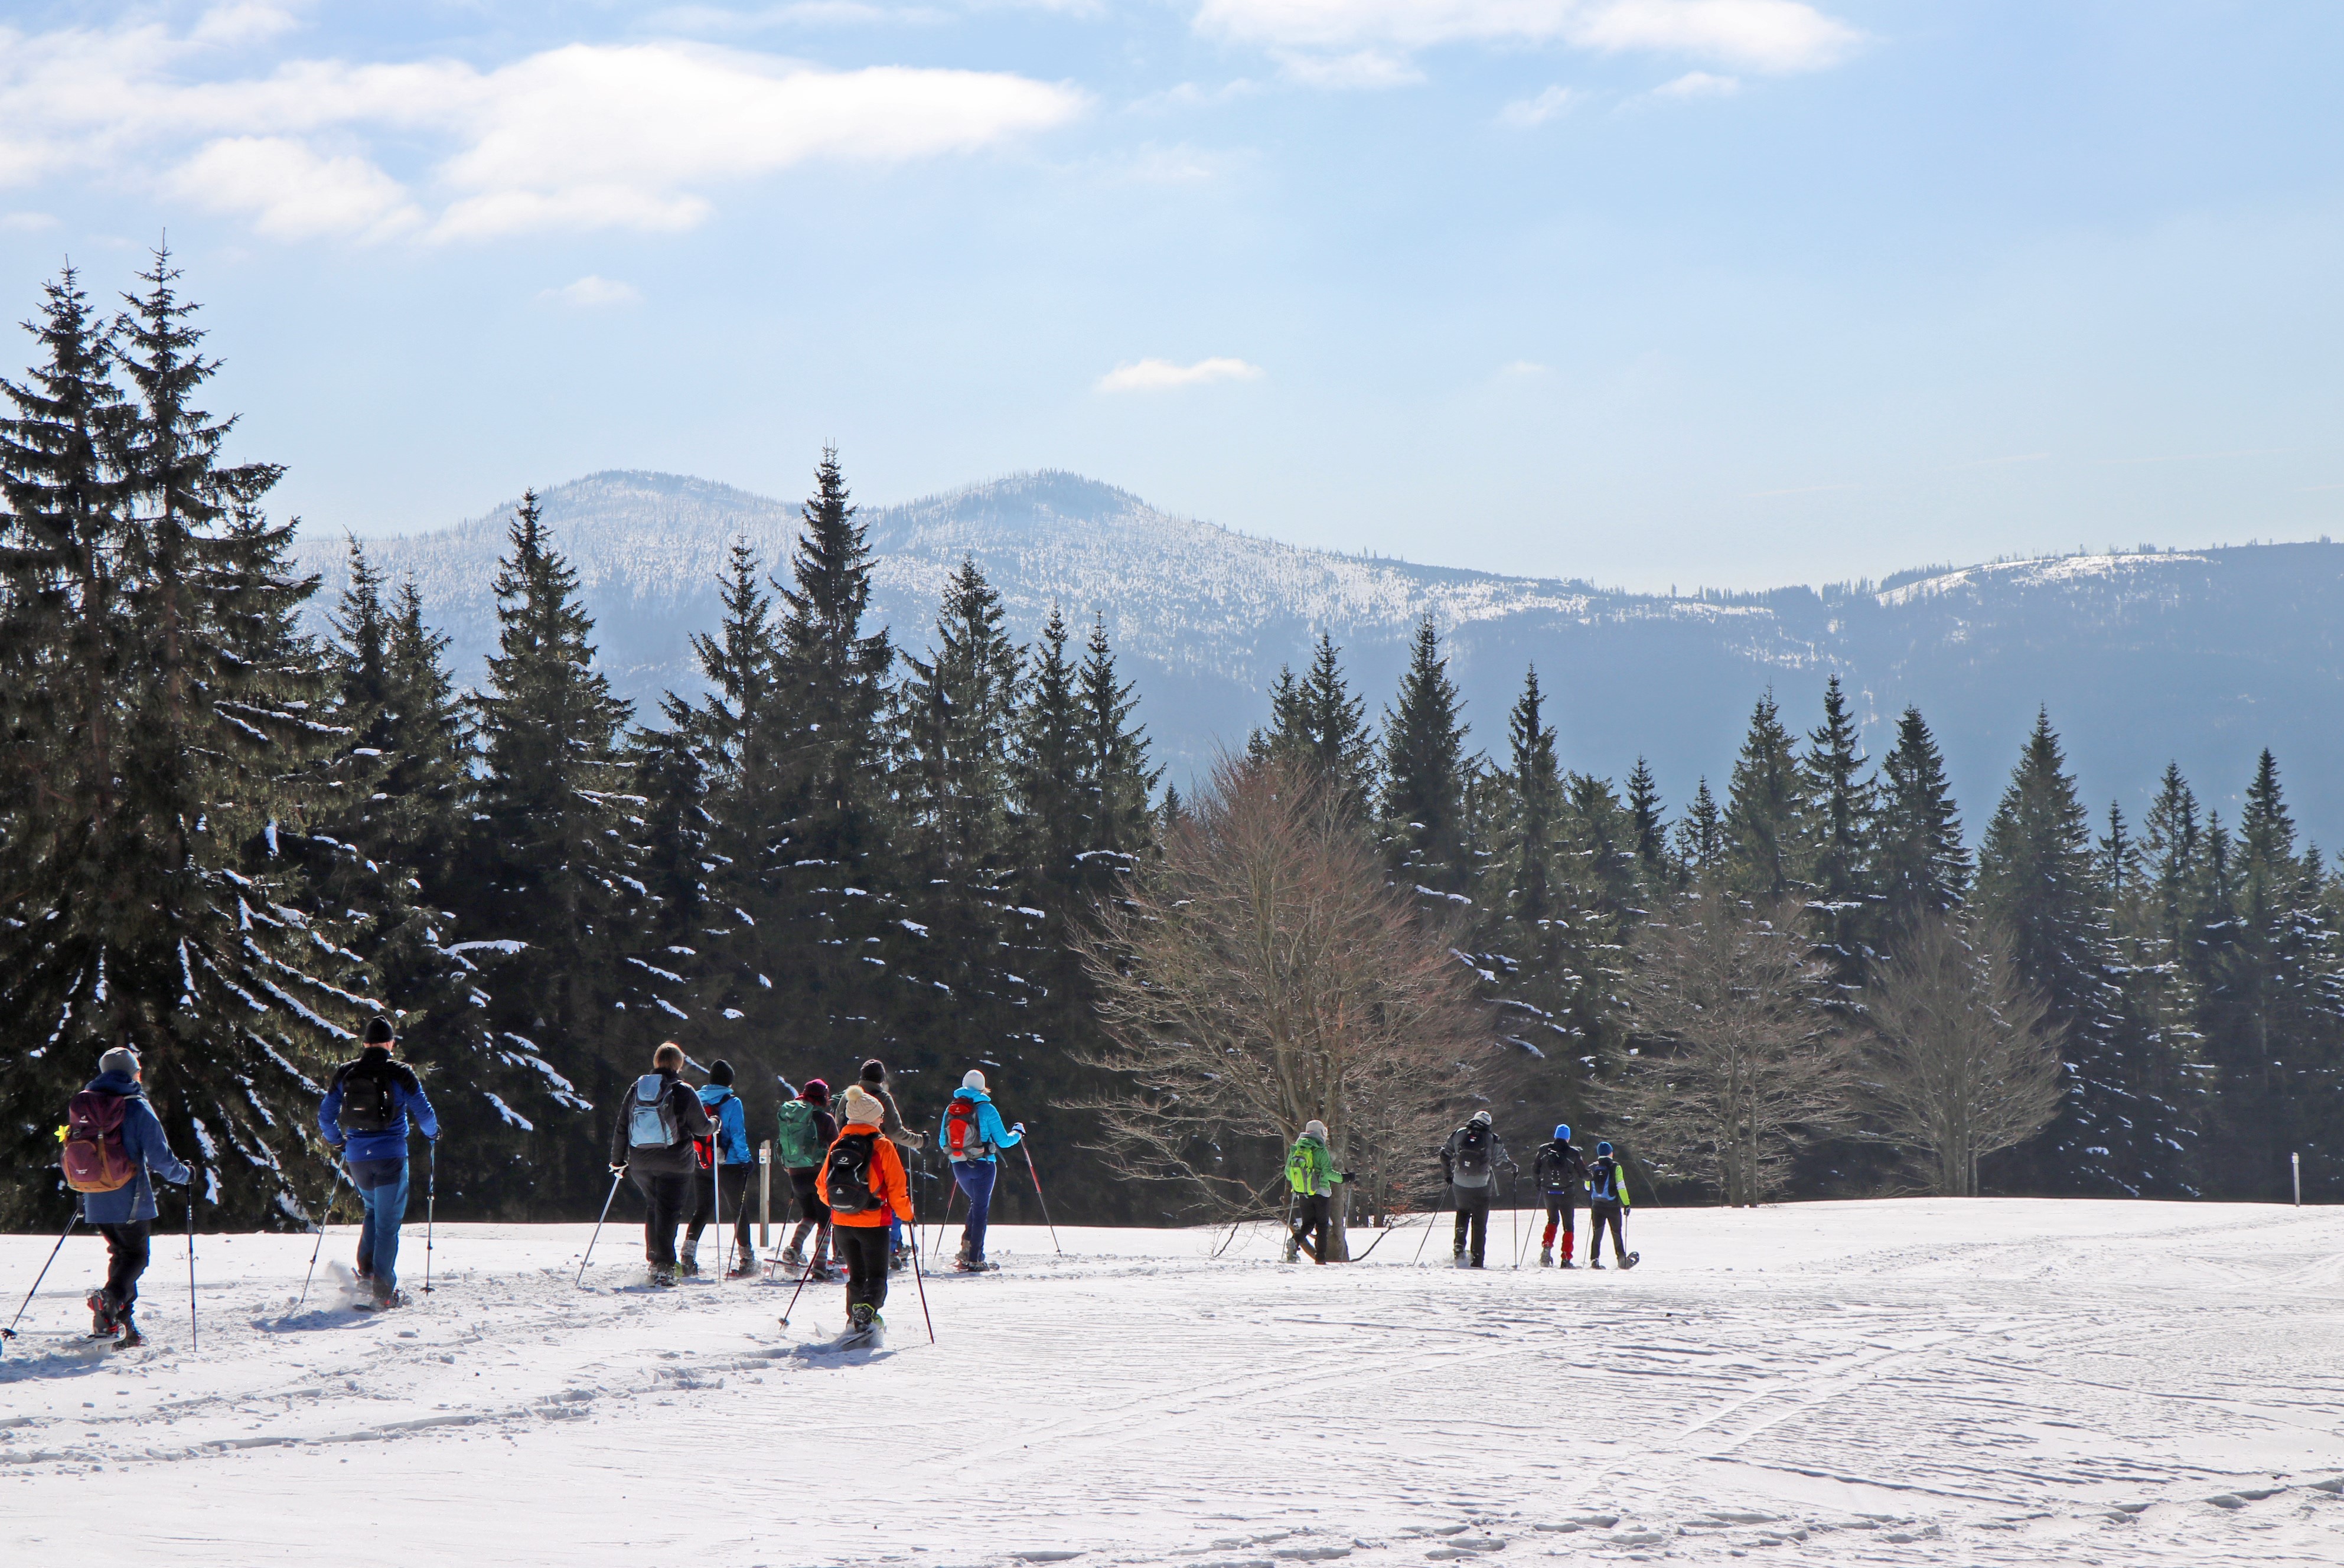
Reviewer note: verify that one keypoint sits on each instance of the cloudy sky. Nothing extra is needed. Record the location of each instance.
(1652, 291)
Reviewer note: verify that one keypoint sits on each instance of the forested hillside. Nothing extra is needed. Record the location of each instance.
(228, 837)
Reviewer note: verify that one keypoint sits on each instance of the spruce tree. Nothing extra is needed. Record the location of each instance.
(1700, 834)
(1764, 815)
(554, 890)
(1651, 824)
(1920, 867)
(1836, 815)
(1316, 720)
(1425, 775)
(1117, 781)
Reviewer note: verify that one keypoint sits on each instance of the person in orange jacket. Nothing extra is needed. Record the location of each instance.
(862, 1180)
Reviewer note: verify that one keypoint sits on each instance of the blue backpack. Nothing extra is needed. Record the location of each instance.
(1603, 1181)
(651, 1117)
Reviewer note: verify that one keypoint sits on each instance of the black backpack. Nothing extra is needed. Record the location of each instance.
(369, 1098)
(1473, 1151)
(847, 1178)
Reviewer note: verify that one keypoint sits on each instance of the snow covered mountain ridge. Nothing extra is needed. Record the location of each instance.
(2204, 657)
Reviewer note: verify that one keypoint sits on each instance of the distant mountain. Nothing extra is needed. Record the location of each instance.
(2202, 658)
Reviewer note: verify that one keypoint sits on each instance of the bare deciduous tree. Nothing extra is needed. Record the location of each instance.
(1736, 1070)
(1264, 974)
(1959, 1065)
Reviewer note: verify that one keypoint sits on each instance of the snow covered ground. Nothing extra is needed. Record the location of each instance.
(1914, 1381)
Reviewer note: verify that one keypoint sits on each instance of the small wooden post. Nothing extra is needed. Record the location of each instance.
(764, 1193)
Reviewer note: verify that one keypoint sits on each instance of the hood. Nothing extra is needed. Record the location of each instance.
(714, 1094)
(115, 1084)
(978, 1095)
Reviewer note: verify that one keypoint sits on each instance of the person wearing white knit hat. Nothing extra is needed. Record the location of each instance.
(973, 1135)
(863, 1182)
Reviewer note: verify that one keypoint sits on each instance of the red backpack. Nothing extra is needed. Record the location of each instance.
(963, 1138)
(95, 1158)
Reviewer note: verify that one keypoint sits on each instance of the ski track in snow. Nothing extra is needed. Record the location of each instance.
(1910, 1382)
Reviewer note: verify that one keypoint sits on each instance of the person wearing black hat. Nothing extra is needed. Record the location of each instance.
(736, 1167)
(367, 1115)
(873, 1082)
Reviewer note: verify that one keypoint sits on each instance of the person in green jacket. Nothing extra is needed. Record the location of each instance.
(1310, 1171)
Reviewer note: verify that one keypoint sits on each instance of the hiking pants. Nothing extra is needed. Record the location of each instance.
(382, 1188)
(1474, 1213)
(665, 1196)
(1599, 1215)
(1558, 1206)
(127, 1251)
(976, 1177)
(740, 1186)
(1314, 1226)
(813, 1213)
(865, 1250)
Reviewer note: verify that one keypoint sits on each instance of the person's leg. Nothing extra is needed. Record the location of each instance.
(1547, 1239)
(1322, 1227)
(660, 1200)
(977, 1177)
(746, 1212)
(1462, 1203)
(802, 1185)
(1481, 1225)
(865, 1250)
(388, 1212)
(127, 1248)
(1568, 1241)
(1615, 1218)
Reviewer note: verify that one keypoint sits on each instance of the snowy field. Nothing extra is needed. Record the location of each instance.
(1900, 1382)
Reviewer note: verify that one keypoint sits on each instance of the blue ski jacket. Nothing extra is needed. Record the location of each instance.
(143, 1141)
(391, 1142)
(989, 1126)
(732, 1125)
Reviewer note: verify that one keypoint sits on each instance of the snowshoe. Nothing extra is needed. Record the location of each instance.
(131, 1338)
(898, 1260)
(660, 1276)
(826, 1274)
(866, 1331)
(1595, 1262)
(792, 1258)
(1631, 1260)
(1546, 1257)
(743, 1267)
(1564, 1262)
(389, 1300)
(102, 1324)
(688, 1266)
(977, 1266)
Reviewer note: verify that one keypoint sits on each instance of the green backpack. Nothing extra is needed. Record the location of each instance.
(797, 1143)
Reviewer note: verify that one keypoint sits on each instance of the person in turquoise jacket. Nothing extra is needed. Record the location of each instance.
(973, 1136)
(736, 1171)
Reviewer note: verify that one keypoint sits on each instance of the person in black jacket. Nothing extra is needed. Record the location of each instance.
(1561, 1173)
(1471, 1162)
(658, 1119)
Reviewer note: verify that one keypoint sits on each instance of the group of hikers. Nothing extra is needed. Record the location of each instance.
(688, 1153)
(1470, 1163)
(687, 1150)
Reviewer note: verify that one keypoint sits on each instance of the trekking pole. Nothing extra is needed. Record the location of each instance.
(191, 1265)
(335, 1192)
(1428, 1226)
(1037, 1193)
(431, 1204)
(945, 1223)
(919, 1278)
(10, 1331)
(1514, 1207)
(804, 1276)
(616, 1178)
(716, 1199)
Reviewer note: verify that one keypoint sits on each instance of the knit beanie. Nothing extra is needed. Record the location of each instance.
(719, 1073)
(973, 1080)
(378, 1030)
(874, 1071)
(816, 1092)
(861, 1108)
(120, 1060)
(1602, 1149)
(1316, 1129)
(1563, 1132)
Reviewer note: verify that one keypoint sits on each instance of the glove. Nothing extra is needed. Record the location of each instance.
(1019, 1129)
(618, 1170)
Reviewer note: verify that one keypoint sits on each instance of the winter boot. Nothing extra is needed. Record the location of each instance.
(1461, 1260)
(687, 1264)
(104, 1321)
(131, 1338)
(744, 1263)
(661, 1276)
(899, 1258)
(792, 1258)
(1595, 1262)
(976, 1265)
(864, 1329)
(1546, 1257)
(1564, 1261)
(962, 1255)
(387, 1301)
(1629, 1260)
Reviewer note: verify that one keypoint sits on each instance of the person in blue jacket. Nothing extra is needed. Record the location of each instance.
(973, 1136)
(368, 1111)
(125, 1216)
(736, 1168)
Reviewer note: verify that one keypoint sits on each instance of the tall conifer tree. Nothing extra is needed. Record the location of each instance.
(1425, 774)
(1764, 815)
(1920, 865)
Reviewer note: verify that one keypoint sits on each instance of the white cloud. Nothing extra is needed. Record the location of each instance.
(1520, 369)
(1768, 35)
(292, 192)
(1528, 113)
(242, 22)
(26, 222)
(585, 136)
(1366, 68)
(1161, 375)
(1697, 84)
(591, 293)
(716, 21)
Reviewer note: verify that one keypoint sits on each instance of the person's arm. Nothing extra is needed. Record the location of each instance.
(619, 1150)
(330, 1113)
(691, 1118)
(891, 1175)
(989, 1127)
(1626, 1204)
(736, 1127)
(417, 1106)
(157, 1147)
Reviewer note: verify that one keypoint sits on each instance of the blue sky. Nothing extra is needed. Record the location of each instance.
(1731, 292)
